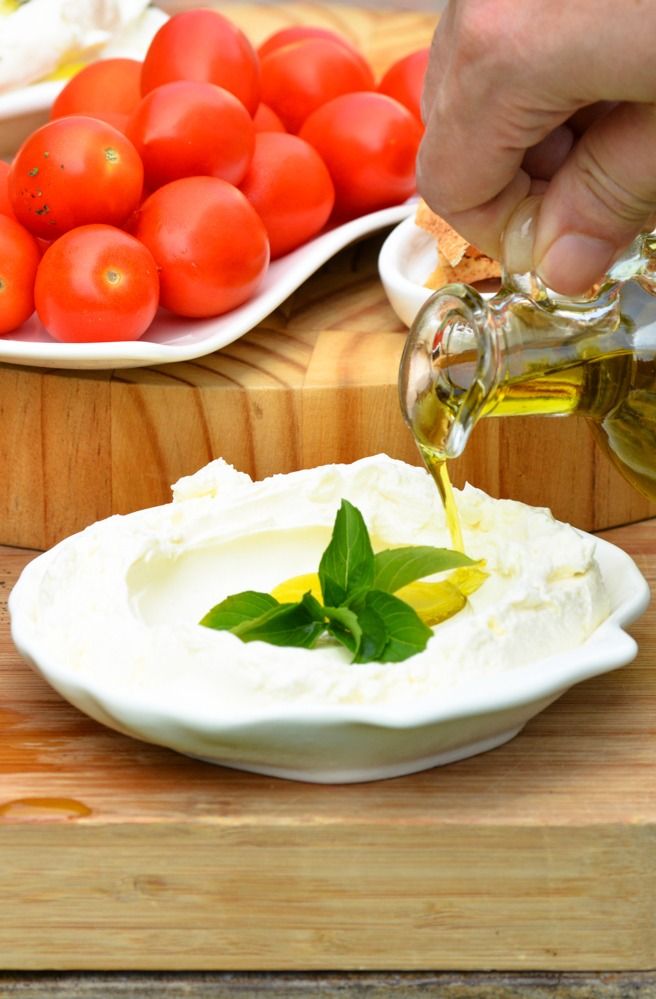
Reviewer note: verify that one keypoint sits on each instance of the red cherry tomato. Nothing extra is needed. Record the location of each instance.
(369, 143)
(186, 129)
(289, 187)
(266, 120)
(203, 45)
(74, 171)
(19, 259)
(296, 33)
(300, 77)
(209, 243)
(5, 203)
(109, 89)
(404, 80)
(96, 284)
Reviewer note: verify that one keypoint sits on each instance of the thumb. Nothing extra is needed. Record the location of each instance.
(602, 196)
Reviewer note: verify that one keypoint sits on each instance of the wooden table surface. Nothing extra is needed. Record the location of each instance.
(539, 855)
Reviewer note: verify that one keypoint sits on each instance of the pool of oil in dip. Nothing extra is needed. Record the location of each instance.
(615, 392)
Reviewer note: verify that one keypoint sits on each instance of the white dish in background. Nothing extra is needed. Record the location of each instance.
(171, 338)
(24, 109)
(338, 741)
(407, 258)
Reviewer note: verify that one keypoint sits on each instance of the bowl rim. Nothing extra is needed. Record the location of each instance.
(607, 648)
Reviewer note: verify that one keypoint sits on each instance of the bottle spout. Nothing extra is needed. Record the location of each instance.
(448, 370)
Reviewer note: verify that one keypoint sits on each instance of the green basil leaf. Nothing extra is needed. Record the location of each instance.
(238, 608)
(344, 626)
(407, 633)
(375, 635)
(346, 569)
(313, 607)
(396, 567)
(286, 624)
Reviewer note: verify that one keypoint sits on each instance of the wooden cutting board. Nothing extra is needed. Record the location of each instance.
(539, 855)
(314, 383)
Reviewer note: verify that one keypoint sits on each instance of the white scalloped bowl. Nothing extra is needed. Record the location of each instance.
(341, 742)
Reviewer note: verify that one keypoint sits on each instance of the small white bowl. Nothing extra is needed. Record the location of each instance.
(407, 258)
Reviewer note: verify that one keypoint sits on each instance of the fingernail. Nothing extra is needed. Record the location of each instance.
(573, 263)
(518, 237)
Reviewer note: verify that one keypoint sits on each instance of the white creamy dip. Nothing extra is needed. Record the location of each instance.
(122, 599)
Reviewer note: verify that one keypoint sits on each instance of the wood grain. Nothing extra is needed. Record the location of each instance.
(539, 855)
(314, 383)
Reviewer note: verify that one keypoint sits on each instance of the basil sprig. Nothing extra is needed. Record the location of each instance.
(359, 608)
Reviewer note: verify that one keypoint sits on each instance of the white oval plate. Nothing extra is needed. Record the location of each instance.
(338, 743)
(171, 338)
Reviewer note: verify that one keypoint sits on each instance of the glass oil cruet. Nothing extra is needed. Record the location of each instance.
(528, 351)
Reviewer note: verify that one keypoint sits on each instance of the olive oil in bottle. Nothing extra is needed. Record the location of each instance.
(616, 393)
(528, 351)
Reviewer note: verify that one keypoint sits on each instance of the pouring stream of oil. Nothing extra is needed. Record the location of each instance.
(438, 469)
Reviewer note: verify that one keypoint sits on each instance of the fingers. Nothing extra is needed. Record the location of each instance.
(519, 96)
(469, 167)
(598, 200)
(542, 161)
(483, 226)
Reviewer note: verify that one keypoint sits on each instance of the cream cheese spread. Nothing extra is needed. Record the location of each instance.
(38, 36)
(121, 600)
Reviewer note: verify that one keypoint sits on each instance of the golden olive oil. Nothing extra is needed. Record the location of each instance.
(615, 392)
(437, 466)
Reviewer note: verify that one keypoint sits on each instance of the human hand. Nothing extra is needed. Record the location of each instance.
(550, 98)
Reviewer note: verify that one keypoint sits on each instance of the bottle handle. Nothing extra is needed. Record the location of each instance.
(646, 274)
(637, 263)
(449, 367)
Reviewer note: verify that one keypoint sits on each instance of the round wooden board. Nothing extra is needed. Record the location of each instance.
(314, 383)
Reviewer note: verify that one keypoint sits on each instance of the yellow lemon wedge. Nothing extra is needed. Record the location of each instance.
(8, 7)
(292, 590)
